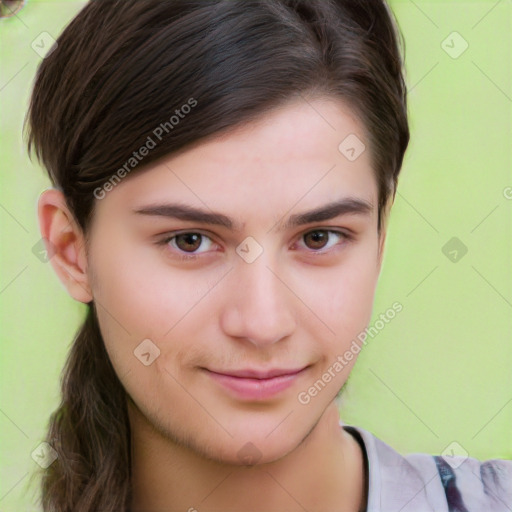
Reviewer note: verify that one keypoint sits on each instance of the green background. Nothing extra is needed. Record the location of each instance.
(438, 376)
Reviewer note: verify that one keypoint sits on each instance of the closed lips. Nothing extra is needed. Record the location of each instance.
(258, 374)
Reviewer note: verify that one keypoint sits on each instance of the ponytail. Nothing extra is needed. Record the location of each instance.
(89, 431)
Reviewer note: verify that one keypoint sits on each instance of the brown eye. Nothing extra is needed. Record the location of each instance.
(316, 239)
(187, 245)
(188, 242)
(322, 240)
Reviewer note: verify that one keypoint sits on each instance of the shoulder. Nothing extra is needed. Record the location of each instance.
(424, 482)
(475, 484)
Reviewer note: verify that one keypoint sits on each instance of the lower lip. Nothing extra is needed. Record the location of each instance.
(255, 389)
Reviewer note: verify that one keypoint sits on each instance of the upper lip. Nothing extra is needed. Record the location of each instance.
(250, 373)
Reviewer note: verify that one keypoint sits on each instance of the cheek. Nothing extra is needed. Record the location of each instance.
(352, 300)
(344, 302)
(138, 292)
(140, 297)
(343, 296)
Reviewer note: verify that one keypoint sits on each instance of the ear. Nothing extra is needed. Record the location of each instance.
(65, 244)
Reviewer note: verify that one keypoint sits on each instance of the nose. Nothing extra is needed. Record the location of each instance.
(260, 307)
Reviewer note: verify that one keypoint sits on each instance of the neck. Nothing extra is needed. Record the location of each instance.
(325, 472)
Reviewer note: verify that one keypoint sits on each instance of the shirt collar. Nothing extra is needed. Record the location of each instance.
(394, 483)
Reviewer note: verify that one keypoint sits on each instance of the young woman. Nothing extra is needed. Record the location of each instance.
(223, 173)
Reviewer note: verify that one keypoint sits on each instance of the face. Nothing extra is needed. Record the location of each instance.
(225, 329)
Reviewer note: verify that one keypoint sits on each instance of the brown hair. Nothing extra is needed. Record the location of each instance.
(123, 68)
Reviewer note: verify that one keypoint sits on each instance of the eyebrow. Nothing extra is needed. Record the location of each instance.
(346, 206)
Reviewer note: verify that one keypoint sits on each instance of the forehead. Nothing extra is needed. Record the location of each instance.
(298, 130)
(289, 156)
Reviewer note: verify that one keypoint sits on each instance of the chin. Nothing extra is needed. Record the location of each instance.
(247, 453)
(258, 443)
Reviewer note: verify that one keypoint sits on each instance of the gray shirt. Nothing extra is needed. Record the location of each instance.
(420, 482)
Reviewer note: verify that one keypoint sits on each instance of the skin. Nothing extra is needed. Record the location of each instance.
(290, 308)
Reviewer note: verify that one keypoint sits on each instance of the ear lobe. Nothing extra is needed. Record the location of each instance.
(65, 244)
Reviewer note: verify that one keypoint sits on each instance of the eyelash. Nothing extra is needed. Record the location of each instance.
(188, 257)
